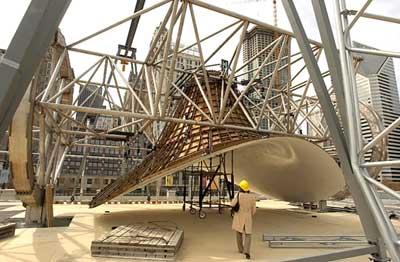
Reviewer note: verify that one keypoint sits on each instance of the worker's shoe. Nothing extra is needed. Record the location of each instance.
(247, 256)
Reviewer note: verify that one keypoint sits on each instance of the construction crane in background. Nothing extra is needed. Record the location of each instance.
(127, 50)
(130, 52)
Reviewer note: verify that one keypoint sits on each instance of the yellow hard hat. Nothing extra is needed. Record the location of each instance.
(244, 185)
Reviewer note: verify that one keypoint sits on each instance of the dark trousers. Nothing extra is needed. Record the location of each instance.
(243, 247)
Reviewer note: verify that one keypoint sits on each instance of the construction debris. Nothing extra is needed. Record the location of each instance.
(315, 241)
(140, 241)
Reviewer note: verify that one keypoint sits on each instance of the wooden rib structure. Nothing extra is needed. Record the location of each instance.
(181, 145)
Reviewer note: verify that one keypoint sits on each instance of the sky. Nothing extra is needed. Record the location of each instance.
(85, 17)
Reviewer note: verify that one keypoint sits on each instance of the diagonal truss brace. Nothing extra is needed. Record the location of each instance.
(371, 214)
(25, 52)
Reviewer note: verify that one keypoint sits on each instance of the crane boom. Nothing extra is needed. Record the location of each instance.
(124, 50)
(134, 23)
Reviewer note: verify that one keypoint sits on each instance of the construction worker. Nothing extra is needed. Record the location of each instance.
(243, 217)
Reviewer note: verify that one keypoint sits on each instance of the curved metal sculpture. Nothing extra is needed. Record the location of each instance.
(289, 169)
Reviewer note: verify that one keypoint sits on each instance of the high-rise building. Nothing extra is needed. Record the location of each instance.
(88, 169)
(89, 97)
(376, 81)
(189, 59)
(256, 40)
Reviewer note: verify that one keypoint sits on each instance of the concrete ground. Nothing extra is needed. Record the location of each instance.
(205, 240)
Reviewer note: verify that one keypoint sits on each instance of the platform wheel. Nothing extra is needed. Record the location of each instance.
(202, 214)
(192, 211)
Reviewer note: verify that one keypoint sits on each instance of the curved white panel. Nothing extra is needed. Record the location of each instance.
(289, 169)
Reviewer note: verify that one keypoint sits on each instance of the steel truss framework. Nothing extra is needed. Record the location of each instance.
(148, 98)
(349, 144)
(152, 95)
